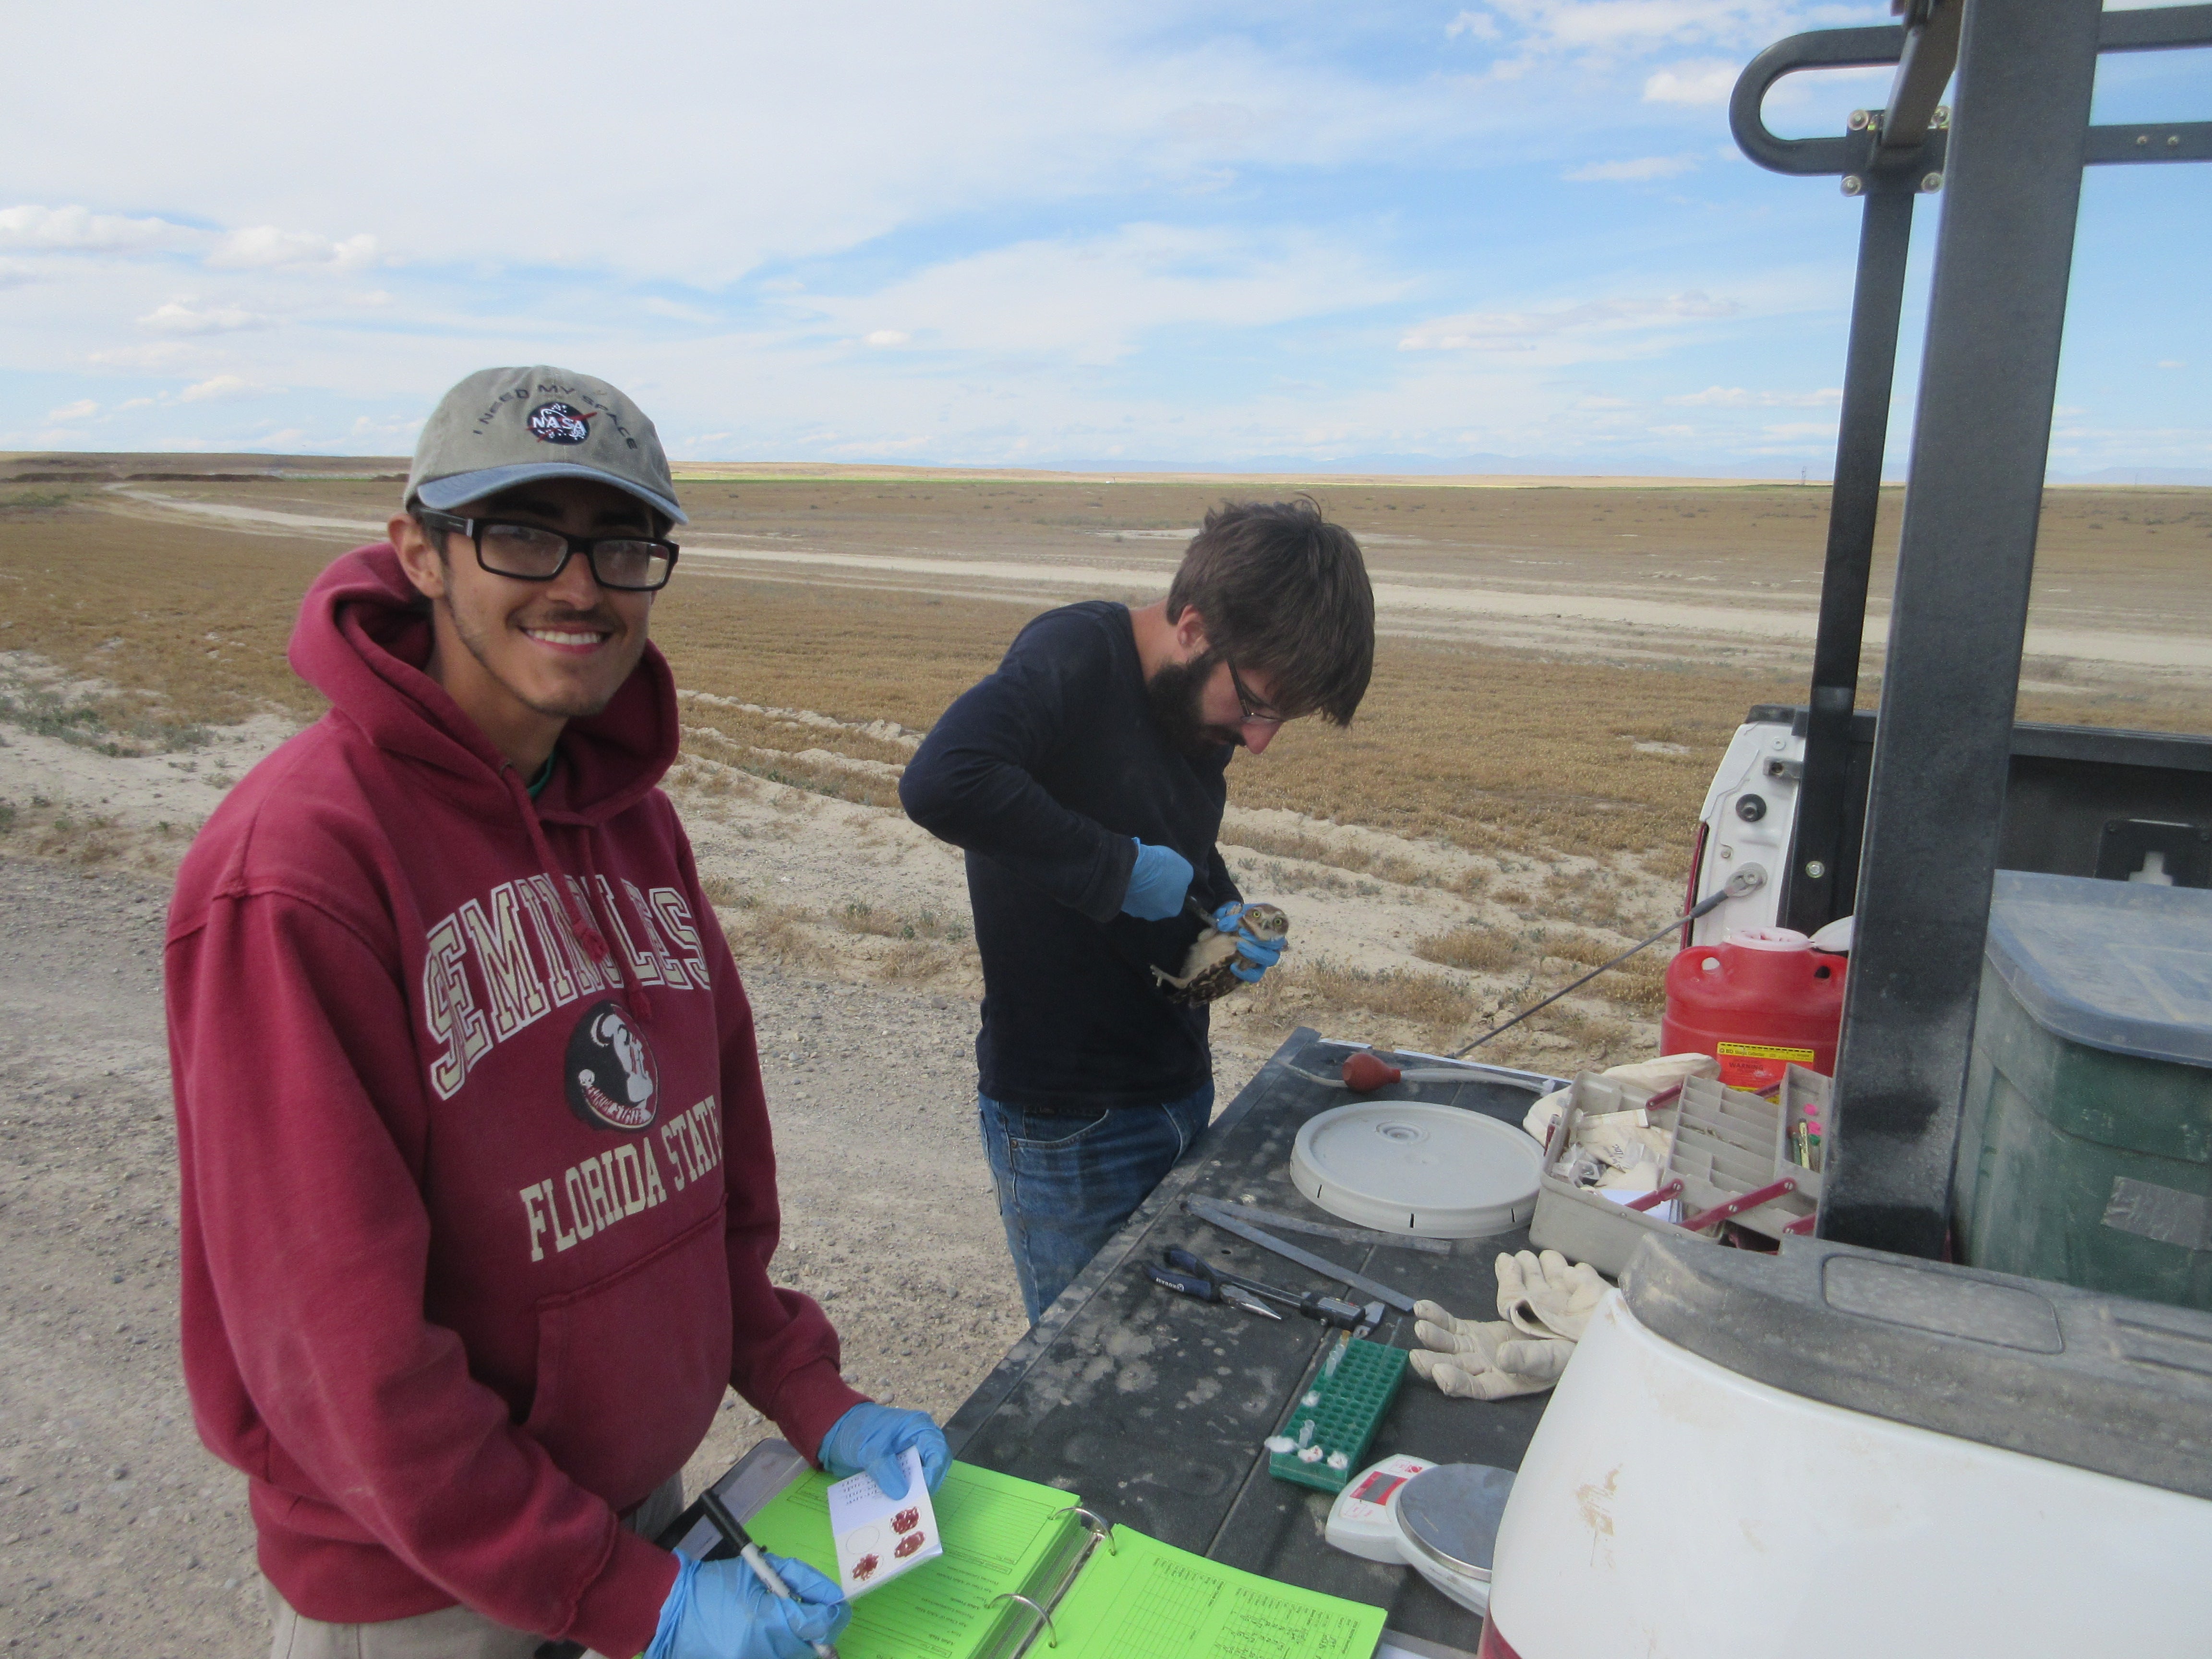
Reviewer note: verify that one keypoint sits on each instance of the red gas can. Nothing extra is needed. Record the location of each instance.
(1756, 1001)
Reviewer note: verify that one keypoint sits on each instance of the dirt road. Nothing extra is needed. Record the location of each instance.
(118, 1534)
(1425, 587)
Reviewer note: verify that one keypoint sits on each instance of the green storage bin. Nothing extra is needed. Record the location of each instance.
(2085, 1150)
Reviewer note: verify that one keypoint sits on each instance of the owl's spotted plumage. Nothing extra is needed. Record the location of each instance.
(1205, 971)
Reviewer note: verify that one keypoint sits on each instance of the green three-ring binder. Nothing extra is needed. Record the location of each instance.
(1028, 1572)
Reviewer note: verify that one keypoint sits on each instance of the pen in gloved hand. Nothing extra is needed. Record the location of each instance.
(741, 1540)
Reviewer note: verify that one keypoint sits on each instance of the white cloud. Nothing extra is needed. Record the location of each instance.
(219, 385)
(188, 316)
(1642, 168)
(82, 410)
(265, 247)
(261, 247)
(1735, 397)
(1614, 25)
(1701, 84)
(367, 433)
(77, 229)
(2171, 362)
(1518, 331)
(1015, 190)
(653, 305)
(1094, 298)
(1801, 429)
(779, 132)
(154, 355)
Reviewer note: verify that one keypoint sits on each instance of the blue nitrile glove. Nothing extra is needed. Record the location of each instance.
(1157, 883)
(721, 1610)
(1255, 956)
(871, 1437)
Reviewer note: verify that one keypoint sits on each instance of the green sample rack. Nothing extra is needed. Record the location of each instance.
(1337, 1415)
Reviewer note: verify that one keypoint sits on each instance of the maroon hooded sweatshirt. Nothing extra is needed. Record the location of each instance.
(477, 1193)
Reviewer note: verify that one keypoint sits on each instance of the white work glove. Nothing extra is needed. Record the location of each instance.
(1471, 1360)
(1665, 1072)
(1544, 1116)
(1436, 1314)
(1546, 1295)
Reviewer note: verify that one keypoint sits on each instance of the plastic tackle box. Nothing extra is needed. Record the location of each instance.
(1804, 1099)
(1728, 1143)
(1581, 1224)
(1722, 1144)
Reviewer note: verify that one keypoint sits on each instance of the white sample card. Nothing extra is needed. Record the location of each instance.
(879, 1538)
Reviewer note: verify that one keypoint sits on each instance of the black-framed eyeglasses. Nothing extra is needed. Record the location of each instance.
(1248, 705)
(532, 553)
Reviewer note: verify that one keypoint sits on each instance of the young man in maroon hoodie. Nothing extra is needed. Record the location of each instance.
(477, 1192)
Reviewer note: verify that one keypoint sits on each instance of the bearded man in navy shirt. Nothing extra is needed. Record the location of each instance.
(1085, 781)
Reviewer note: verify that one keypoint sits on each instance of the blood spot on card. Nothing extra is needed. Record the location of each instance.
(906, 1519)
(866, 1567)
(909, 1544)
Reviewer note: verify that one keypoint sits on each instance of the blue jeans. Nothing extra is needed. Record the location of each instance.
(1067, 1184)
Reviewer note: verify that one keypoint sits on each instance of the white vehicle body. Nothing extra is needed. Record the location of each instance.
(1671, 1507)
(1749, 814)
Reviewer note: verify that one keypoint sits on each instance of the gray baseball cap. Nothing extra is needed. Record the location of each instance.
(502, 427)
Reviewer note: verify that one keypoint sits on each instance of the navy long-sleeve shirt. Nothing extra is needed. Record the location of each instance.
(1042, 773)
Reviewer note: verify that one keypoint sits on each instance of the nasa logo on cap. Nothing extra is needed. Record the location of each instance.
(613, 1081)
(559, 423)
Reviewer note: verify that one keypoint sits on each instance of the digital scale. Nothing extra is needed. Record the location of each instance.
(1440, 1519)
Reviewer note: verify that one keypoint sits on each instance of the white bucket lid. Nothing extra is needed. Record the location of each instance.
(1769, 938)
(1411, 1166)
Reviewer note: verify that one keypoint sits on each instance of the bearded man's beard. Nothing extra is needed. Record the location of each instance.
(1175, 693)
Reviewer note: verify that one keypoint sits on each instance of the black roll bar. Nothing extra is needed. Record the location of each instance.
(2012, 162)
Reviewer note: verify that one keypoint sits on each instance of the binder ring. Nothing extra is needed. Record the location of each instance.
(1052, 1630)
(1104, 1532)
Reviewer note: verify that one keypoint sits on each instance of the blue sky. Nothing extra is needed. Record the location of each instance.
(1402, 236)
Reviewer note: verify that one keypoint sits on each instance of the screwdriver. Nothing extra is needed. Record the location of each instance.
(1209, 1290)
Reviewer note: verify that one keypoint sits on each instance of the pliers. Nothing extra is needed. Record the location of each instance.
(1331, 1310)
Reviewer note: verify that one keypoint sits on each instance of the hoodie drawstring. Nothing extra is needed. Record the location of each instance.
(634, 995)
(579, 912)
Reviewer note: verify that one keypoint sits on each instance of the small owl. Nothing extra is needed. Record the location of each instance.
(1205, 971)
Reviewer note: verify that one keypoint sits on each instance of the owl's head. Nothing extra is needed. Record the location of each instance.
(1264, 921)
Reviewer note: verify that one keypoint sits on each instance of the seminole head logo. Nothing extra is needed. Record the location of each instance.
(559, 423)
(611, 1081)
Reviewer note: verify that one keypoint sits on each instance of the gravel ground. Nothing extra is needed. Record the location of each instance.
(118, 1533)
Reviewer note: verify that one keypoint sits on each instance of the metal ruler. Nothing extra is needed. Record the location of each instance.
(1222, 1216)
(1292, 1223)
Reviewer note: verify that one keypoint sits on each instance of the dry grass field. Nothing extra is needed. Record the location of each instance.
(1514, 802)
